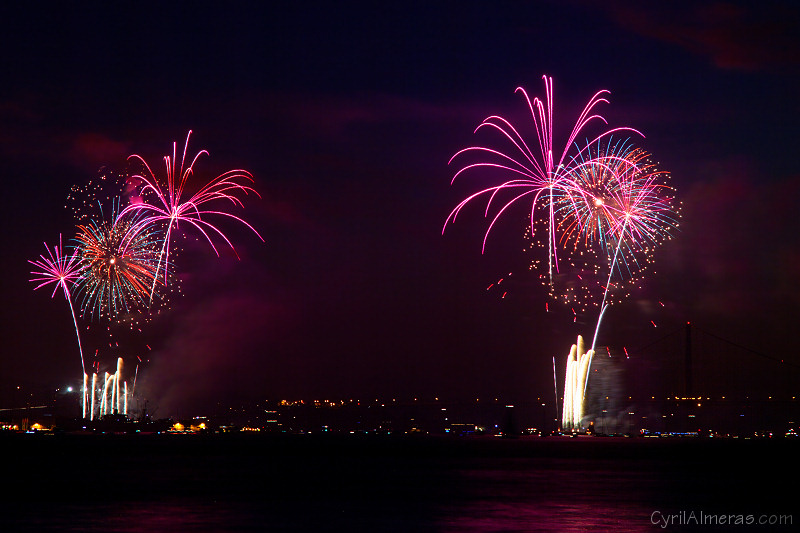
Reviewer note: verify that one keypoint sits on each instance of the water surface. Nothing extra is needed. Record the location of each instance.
(296, 483)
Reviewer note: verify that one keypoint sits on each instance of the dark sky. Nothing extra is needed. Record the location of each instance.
(347, 114)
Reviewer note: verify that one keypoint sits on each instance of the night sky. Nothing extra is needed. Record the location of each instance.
(347, 114)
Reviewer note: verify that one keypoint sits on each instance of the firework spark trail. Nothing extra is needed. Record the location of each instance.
(588, 208)
(540, 176)
(615, 208)
(624, 210)
(60, 270)
(631, 196)
(605, 199)
(615, 191)
(170, 207)
(120, 259)
(603, 307)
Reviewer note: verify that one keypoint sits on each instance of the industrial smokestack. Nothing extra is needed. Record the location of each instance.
(688, 360)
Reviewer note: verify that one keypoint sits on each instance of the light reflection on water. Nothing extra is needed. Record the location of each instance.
(545, 496)
(141, 516)
(493, 516)
(488, 515)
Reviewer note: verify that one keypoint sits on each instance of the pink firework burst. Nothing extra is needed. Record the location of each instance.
(167, 203)
(61, 271)
(541, 175)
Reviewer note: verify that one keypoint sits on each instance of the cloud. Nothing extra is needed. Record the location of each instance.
(28, 133)
(337, 118)
(735, 257)
(734, 35)
(94, 149)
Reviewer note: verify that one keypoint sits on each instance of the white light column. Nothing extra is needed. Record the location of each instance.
(574, 385)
